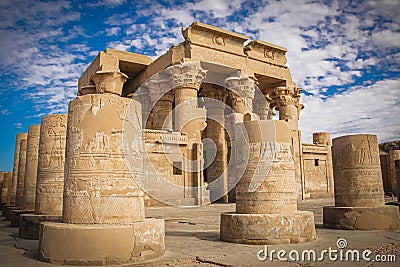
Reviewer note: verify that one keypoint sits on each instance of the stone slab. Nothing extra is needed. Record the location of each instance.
(268, 229)
(29, 224)
(101, 244)
(15, 215)
(362, 218)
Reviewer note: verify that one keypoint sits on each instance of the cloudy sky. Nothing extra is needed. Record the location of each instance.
(344, 54)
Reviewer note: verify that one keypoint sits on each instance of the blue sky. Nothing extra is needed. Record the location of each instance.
(344, 54)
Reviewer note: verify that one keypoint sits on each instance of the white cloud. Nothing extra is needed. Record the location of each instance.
(373, 109)
(114, 31)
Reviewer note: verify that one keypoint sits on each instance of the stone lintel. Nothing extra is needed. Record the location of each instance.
(268, 229)
(266, 52)
(206, 35)
(101, 244)
(362, 218)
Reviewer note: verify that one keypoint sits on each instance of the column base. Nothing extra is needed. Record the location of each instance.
(15, 215)
(5, 207)
(101, 244)
(30, 224)
(7, 212)
(362, 218)
(268, 229)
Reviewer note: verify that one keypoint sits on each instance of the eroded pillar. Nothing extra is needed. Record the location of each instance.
(103, 208)
(359, 197)
(266, 199)
(32, 152)
(50, 176)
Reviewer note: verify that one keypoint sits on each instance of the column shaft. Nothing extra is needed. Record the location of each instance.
(50, 174)
(13, 191)
(32, 152)
(19, 201)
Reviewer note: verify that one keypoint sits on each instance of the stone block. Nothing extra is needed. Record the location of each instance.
(362, 218)
(101, 244)
(29, 224)
(268, 229)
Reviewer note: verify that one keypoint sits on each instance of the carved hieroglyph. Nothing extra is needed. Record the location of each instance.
(19, 201)
(13, 191)
(32, 152)
(50, 174)
(5, 190)
(99, 188)
(357, 171)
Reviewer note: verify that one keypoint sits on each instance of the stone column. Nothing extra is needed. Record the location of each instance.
(286, 101)
(21, 173)
(186, 80)
(5, 191)
(324, 138)
(50, 176)
(359, 198)
(103, 208)
(266, 200)
(216, 131)
(32, 152)
(13, 192)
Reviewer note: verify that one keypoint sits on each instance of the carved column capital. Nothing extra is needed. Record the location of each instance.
(109, 81)
(244, 88)
(188, 74)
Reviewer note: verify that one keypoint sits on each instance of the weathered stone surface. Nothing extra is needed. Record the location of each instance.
(32, 152)
(50, 174)
(266, 206)
(13, 192)
(103, 209)
(357, 171)
(362, 218)
(269, 229)
(99, 244)
(99, 188)
(359, 200)
(268, 184)
(19, 201)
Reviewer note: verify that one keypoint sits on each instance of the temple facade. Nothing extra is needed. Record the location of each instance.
(189, 137)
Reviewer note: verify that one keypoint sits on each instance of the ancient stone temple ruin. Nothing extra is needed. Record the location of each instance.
(214, 64)
(214, 119)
